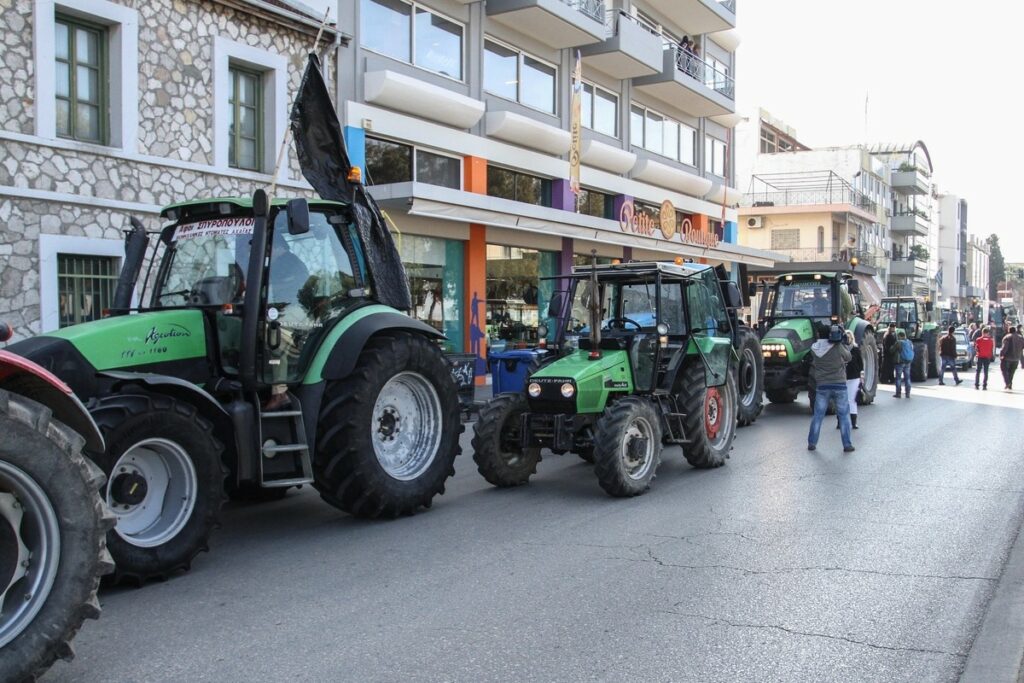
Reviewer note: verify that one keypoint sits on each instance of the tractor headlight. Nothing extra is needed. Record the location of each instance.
(568, 390)
(533, 390)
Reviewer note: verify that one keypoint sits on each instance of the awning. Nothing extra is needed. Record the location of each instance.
(870, 292)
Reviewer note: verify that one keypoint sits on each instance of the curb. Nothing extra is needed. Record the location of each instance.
(997, 653)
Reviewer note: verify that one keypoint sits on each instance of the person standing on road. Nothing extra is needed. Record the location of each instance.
(829, 357)
(1010, 355)
(972, 336)
(986, 352)
(854, 377)
(888, 364)
(947, 353)
(904, 358)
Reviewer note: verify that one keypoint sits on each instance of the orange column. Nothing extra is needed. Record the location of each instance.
(701, 223)
(475, 269)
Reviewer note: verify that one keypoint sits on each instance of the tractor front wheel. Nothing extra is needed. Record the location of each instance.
(750, 377)
(165, 483)
(919, 366)
(497, 449)
(627, 446)
(710, 417)
(869, 356)
(781, 396)
(389, 432)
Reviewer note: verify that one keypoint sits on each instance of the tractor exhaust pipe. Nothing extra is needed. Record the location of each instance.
(595, 310)
(135, 243)
(253, 290)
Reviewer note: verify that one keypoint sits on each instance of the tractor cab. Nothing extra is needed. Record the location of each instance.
(819, 297)
(909, 314)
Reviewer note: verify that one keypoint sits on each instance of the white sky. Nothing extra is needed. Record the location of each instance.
(946, 72)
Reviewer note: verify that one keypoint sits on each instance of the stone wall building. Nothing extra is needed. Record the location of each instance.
(114, 109)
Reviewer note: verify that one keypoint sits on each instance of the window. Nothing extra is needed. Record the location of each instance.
(717, 75)
(85, 286)
(519, 187)
(600, 110)
(597, 204)
(412, 33)
(80, 51)
(662, 135)
(636, 126)
(245, 141)
(437, 169)
(714, 153)
(785, 239)
(393, 162)
(517, 76)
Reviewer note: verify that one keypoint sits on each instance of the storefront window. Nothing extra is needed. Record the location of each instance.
(598, 204)
(519, 187)
(586, 260)
(516, 294)
(387, 162)
(435, 270)
(437, 169)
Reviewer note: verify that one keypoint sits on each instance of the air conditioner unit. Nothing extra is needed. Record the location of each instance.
(755, 222)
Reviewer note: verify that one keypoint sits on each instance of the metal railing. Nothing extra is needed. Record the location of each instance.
(696, 68)
(614, 17)
(592, 8)
(804, 197)
(828, 255)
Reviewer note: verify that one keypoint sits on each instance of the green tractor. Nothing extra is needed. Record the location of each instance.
(914, 316)
(644, 355)
(791, 310)
(263, 360)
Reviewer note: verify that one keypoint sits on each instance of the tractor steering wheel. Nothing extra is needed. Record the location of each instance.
(622, 322)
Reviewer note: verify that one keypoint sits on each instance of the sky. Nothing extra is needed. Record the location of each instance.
(942, 71)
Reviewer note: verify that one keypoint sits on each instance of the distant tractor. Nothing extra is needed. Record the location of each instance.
(792, 309)
(913, 315)
(644, 355)
(262, 360)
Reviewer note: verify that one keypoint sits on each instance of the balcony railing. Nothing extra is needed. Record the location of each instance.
(592, 8)
(614, 16)
(696, 68)
(805, 197)
(828, 255)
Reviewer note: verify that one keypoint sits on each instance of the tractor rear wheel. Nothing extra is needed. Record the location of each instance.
(750, 377)
(165, 483)
(710, 420)
(497, 450)
(53, 527)
(389, 432)
(919, 366)
(781, 396)
(869, 356)
(627, 446)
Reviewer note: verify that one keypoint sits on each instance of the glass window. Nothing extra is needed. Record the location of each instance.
(519, 187)
(714, 155)
(85, 285)
(437, 169)
(636, 126)
(385, 27)
(587, 106)
(438, 44)
(687, 145)
(519, 77)
(516, 294)
(654, 132)
(538, 85)
(671, 140)
(597, 204)
(435, 270)
(387, 162)
(501, 66)
(81, 81)
(600, 110)
(245, 141)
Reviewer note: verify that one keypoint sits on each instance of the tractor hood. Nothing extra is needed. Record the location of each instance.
(593, 379)
(169, 342)
(795, 334)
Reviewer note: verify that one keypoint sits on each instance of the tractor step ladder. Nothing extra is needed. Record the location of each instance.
(284, 450)
(673, 419)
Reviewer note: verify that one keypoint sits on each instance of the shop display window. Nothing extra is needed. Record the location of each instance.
(516, 294)
(436, 282)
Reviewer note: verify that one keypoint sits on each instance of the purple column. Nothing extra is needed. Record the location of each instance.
(617, 204)
(561, 196)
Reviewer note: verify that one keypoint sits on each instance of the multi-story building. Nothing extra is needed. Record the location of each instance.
(951, 282)
(977, 275)
(458, 111)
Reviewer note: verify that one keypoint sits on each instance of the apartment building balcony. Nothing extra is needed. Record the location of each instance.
(631, 49)
(558, 23)
(827, 257)
(910, 181)
(698, 16)
(805, 192)
(909, 224)
(691, 84)
(908, 267)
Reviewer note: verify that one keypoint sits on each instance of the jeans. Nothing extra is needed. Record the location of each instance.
(835, 393)
(852, 389)
(951, 364)
(971, 352)
(983, 364)
(1009, 367)
(903, 377)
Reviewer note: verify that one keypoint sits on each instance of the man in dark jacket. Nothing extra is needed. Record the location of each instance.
(1010, 354)
(829, 357)
(888, 367)
(947, 354)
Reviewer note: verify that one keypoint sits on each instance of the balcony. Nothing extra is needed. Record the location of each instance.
(909, 224)
(775, 193)
(840, 257)
(908, 267)
(698, 16)
(690, 84)
(910, 180)
(558, 23)
(631, 49)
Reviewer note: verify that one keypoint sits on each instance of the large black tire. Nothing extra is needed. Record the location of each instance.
(919, 366)
(497, 450)
(710, 420)
(145, 424)
(38, 451)
(627, 446)
(354, 423)
(869, 355)
(782, 396)
(254, 493)
(931, 342)
(750, 377)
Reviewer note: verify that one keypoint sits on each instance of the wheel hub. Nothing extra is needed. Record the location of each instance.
(712, 411)
(389, 424)
(637, 452)
(406, 426)
(11, 549)
(129, 489)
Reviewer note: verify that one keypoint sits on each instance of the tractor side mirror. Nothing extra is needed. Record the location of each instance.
(5, 332)
(555, 305)
(733, 297)
(298, 216)
(751, 289)
(929, 306)
(853, 286)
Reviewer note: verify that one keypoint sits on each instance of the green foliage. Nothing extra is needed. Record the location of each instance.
(996, 267)
(919, 252)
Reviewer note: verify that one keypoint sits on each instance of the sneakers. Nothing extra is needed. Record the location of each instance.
(942, 384)
(896, 396)
(959, 382)
(848, 449)
(811, 447)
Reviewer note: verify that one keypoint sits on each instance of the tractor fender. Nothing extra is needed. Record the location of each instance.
(23, 377)
(343, 357)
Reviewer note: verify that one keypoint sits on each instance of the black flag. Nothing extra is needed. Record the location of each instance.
(324, 160)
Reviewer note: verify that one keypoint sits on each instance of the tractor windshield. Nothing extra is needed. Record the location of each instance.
(206, 263)
(631, 300)
(898, 312)
(803, 299)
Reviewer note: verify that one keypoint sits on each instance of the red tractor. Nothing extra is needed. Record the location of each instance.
(53, 522)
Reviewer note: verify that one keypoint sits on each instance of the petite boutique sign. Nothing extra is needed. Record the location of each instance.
(640, 223)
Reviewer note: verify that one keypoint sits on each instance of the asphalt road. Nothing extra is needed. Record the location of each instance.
(784, 565)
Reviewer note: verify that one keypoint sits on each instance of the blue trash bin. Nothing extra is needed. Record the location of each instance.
(510, 369)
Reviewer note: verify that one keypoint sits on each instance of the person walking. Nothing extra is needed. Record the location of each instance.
(1010, 355)
(986, 353)
(829, 357)
(947, 354)
(888, 362)
(905, 357)
(854, 377)
(972, 336)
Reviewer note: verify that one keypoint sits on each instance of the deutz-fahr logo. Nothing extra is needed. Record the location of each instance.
(156, 336)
